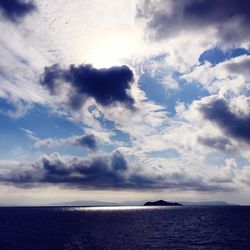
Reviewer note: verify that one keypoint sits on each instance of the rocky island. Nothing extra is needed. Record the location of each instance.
(162, 203)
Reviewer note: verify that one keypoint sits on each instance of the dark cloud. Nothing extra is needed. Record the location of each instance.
(118, 162)
(220, 143)
(107, 86)
(16, 9)
(100, 172)
(241, 67)
(230, 17)
(221, 179)
(234, 125)
(88, 141)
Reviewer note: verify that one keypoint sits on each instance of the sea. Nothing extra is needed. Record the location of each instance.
(73, 228)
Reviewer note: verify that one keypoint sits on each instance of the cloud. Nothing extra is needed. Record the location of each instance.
(88, 141)
(220, 143)
(245, 175)
(229, 18)
(108, 86)
(14, 10)
(240, 67)
(14, 108)
(232, 124)
(22, 60)
(229, 78)
(103, 171)
(30, 134)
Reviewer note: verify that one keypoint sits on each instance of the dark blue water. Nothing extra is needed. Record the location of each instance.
(125, 228)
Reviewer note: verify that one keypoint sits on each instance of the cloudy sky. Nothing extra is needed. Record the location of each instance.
(124, 100)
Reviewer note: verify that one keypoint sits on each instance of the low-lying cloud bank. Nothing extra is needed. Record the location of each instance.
(103, 171)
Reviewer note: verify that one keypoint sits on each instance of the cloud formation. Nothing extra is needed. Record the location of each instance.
(107, 86)
(219, 143)
(101, 171)
(230, 18)
(241, 67)
(234, 125)
(85, 141)
(14, 10)
(104, 171)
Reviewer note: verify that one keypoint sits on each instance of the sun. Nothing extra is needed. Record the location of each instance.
(113, 49)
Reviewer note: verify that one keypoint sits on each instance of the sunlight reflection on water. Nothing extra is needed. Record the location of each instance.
(119, 208)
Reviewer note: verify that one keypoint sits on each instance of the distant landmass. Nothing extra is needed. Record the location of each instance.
(138, 203)
(162, 203)
(207, 203)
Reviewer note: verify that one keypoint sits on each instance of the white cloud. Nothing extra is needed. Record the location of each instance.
(229, 78)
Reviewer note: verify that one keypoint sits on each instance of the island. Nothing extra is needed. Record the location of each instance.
(162, 203)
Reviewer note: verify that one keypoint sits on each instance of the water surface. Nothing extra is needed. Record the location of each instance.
(73, 228)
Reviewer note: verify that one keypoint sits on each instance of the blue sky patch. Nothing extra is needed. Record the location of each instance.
(217, 55)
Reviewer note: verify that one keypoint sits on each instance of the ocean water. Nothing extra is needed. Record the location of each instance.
(120, 228)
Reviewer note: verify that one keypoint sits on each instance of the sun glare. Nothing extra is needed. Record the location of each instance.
(114, 49)
(113, 208)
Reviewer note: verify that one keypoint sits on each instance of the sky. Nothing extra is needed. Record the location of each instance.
(119, 100)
